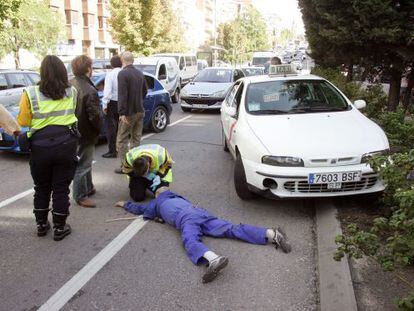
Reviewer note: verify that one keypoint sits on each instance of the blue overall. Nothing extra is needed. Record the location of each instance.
(194, 222)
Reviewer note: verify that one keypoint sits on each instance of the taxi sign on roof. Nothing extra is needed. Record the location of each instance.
(282, 70)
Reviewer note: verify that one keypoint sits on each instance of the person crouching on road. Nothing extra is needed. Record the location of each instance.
(148, 167)
(194, 222)
(90, 122)
(49, 110)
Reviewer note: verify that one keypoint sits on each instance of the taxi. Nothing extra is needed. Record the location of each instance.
(299, 136)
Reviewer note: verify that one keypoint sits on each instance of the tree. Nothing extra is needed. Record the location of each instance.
(8, 10)
(34, 27)
(145, 26)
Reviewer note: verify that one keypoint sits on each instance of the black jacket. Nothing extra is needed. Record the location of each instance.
(88, 110)
(132, 90)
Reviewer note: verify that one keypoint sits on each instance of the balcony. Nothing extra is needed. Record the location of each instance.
(88, 34)
(103, 10)
(102, 35)
(88, 7)
(72, 32)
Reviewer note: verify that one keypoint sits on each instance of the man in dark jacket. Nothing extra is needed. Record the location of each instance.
(88, 112)
(132, 90)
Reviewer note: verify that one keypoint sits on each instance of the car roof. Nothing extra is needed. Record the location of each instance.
(174, 54)
(265, 78)
(252, 67)
(152, 60)
(219, 68)
(17, 71)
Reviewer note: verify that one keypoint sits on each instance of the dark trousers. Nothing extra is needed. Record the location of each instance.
(112, 119)
(138, 186)
(52, 170)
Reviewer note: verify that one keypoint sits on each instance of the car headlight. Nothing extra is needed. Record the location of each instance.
(282, 161)
(184, 92)
(220, 94)
(367, 156)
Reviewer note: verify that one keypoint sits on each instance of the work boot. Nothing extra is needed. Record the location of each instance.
(86, 202)
(280, 240)
(214, 268)
(61, 232)
(43, 228)
(118, 171)
(109, 155)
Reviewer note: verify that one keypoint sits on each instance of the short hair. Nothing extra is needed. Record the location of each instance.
(53, 78)
(116, 61)
(81, 64)
(127, 57)
(275, 61)
(140, 165)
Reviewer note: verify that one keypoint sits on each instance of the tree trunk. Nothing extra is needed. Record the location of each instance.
(395, 87)
(16, 58)
(407, 93)
(350, 75)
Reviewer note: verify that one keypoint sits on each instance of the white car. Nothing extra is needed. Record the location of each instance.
(299, 136)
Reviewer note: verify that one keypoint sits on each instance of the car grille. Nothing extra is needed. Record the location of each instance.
(367, 181)
(201, 101)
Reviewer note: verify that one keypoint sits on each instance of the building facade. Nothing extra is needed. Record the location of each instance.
(86, 27)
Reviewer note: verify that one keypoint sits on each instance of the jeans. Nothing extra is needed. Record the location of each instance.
(82, 182)
(129, 134)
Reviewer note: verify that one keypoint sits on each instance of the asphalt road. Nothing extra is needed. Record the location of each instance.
(152, 272)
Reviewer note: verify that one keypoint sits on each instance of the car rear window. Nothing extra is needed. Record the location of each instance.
(188, 61)
(34, 77)
(17, 80)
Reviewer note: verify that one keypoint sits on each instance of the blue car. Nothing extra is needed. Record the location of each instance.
(157, 105)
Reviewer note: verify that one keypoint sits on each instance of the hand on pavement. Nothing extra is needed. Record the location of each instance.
(120, 204)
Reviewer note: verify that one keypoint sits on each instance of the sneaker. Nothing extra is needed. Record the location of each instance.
(280, 239)
(42, 229)
(214, 268)
(61, 232)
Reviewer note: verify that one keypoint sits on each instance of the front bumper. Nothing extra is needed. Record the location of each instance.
(206, 103)
(292, 182)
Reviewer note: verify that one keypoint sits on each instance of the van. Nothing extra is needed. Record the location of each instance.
(187, 63)
(259, 59)
(165, 69)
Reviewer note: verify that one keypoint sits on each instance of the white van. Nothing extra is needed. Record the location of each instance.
(187, 64)
(259, 59)
(165, 69)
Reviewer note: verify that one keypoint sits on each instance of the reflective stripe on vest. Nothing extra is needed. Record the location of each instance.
(47, 112)
(156, 152)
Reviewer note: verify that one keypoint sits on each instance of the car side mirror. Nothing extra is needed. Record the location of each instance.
(162, 77)
(360, 104)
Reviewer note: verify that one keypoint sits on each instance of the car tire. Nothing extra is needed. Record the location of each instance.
(185, 109)
(159, 119)
(240, 182)
(176, 98)
(225, 146)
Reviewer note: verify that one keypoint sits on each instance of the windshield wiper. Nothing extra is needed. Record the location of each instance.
(317, 109)
(270, 111)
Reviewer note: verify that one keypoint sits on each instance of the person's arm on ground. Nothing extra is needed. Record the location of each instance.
(148, 210)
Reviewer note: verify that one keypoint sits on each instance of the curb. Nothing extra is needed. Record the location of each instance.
(335, 284)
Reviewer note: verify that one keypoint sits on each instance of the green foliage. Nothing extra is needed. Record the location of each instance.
(242, 36)
(8, 10)
(34, 27)
(146, 26)
(376, 100)
(406, 304)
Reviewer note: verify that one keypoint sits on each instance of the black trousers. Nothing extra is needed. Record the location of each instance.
(112, 119)
(52, 170)
(138, 186)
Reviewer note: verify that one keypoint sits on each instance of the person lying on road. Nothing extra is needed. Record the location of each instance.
(194, 222)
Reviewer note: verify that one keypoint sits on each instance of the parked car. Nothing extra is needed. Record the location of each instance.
(252, 71)
(299, 136)
(157, 103)
(166, 71)
(209, 88)
(187, 63)
(201, 64)
(261, 58)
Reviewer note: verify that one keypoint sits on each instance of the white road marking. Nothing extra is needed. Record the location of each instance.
(67, 291)
(15, 198)
(30, 191)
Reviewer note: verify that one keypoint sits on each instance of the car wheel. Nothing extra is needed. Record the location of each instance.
(240, 182)
(225, 147)
(176, 97)
(185, 109)
(159, 119)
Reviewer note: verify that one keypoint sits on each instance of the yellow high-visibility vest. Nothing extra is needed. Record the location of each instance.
(47, 111)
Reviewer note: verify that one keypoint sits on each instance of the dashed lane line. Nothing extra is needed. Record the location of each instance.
(30, 191)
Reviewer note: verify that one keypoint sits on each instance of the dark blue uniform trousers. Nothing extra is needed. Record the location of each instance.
(197, 224)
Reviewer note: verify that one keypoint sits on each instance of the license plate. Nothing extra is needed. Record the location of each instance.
(333, 178)
(199, 106)
(334, 185)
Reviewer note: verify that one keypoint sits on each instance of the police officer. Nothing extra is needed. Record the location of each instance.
(148, 167)
(49, 110)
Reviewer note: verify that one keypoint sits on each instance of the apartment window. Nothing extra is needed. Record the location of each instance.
(85, 20)
(99, 53)
(74, 17)
(71, 42)
(100, 22)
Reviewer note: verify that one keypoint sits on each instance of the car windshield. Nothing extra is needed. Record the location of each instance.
(252, 71)
(177, 58)
(260, 60)
(146, 68)
(215, 76)
(295, 96)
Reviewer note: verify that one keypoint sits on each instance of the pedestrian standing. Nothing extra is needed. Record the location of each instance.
(110, 105)
(49, 110)
(132, 90)
(88, 112)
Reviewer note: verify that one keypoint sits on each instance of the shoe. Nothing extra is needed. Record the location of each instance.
(118, 171)
(42, 229)
(109, 155)
(61, 232)
(214, 268)
(86, 202)
(92, 192)
(280, 239)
